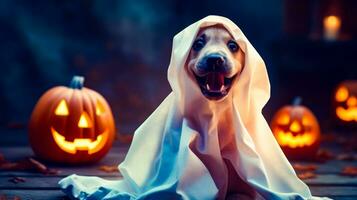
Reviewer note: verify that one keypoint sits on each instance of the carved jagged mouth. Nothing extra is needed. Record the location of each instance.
(214, 85)
(288, 139)
(81, 144)
(349, 114)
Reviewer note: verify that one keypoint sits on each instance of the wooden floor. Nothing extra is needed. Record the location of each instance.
(37, 186)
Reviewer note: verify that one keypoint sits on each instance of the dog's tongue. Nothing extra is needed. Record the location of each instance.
(215, 81)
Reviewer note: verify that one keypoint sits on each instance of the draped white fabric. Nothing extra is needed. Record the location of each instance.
(193, 148)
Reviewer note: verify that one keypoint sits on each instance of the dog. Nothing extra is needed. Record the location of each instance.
(215, 61)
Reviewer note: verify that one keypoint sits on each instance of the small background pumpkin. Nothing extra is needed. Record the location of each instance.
(71, 125)
(345, 104)
(297, 131)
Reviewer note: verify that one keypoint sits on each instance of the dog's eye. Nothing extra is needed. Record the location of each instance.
(233, 46)
(198, 44)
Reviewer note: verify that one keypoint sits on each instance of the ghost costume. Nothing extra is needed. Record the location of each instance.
(193, 148)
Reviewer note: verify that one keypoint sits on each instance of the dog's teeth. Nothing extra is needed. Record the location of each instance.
(222, 88)
(207, 86)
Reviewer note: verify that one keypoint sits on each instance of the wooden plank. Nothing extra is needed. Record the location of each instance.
(331, 191)
(338, 193)
(45, 183)
(117, 155)
(330, 167)
(37, 186)
(63, 172)
(34, 194)
(114, 157)
(343, 197)
(332, 180)
(17, 153)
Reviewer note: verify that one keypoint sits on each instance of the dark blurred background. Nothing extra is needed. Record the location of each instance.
(123, 50)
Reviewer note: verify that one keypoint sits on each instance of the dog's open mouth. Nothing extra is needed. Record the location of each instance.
(214, 85)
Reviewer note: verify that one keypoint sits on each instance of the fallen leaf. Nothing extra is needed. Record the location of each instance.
(17, 180)
(38, 166)
(109, 168)
(349, 171)
(27, 165)
(306, 167)
(17, 166)
(346, 157)
(324, 155)
(306, 175)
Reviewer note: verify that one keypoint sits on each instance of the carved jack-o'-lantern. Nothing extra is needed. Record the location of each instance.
(345, 102)
(297, 131)
(71, 125)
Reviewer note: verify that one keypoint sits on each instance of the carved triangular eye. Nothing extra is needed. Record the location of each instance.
(306, 121)
(62, 108)
(284, 119)
(99, 109)
(84, 121)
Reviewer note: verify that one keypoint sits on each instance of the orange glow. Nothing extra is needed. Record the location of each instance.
(84, 144)
(306, 121)
(84, 121)
(352, 101)
(62, 109)
(99, 109)
(349, 114)
(295, 126)
(332, 25)
(341, 94)
(284, 119)
(288, 139)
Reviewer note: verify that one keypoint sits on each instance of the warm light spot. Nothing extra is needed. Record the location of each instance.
(288, 139)
(349, 114)
(83, 144)
(352, 101)
(99, 109)
(284, 119)
(342, 94)
(332, 25)
(306, 121)
(84, 121)
(295, 126)
(62, 108)
(332, 22)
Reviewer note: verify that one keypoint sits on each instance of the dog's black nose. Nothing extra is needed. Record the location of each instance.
(215, 62)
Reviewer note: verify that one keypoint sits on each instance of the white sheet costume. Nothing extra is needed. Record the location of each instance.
(193, 148)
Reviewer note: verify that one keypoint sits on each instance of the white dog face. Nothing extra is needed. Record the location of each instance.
(215, 60)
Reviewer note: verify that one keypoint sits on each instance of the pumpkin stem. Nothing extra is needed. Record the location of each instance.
(297, 101)
(77, 82)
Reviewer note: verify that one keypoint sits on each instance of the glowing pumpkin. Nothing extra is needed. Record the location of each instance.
(71, 125)
(345, 102)
(297, 131)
